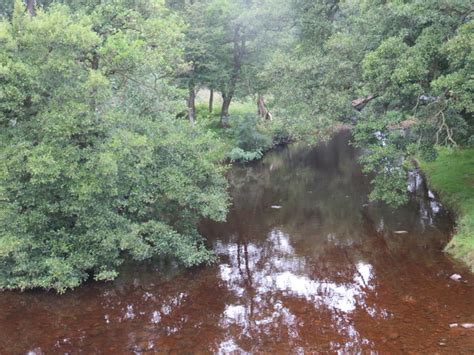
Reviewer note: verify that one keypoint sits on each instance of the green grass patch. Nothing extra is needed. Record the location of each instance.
(247, 137)
(452, 175)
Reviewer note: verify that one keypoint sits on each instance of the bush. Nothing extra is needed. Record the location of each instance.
(251, 140)
(238, 154)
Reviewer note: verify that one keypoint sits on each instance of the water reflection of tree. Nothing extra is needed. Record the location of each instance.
(319, 186)
(283, 294)
(323, 195)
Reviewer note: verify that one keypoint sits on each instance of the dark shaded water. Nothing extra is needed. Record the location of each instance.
(326, 272)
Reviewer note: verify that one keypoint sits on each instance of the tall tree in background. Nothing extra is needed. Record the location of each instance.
(30, 6)
(228, 44)
(246, 35)
(203, 38)
(199, 49)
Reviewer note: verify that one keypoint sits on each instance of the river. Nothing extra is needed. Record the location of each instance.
(306, 264)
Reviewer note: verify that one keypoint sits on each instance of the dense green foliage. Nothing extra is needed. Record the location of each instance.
(452, 174)
(97, 163)
(401, 70)
(250, 140)
(93, 167)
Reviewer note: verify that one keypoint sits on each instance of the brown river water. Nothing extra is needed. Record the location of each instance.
(307, 265)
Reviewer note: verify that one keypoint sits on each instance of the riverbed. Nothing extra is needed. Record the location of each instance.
(306, 264)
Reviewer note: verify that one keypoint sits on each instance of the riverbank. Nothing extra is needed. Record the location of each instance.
(247, 137)
(452, 175)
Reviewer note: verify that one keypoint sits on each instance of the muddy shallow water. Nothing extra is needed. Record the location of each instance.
(307, 264)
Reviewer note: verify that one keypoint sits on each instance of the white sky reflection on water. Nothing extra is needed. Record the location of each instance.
(270, 273)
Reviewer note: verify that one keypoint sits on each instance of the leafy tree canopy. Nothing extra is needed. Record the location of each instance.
(92, 167)
(401, 70)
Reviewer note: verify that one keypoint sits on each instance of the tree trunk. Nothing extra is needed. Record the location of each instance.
(360, 103)
(211, 101)
(239, 51)
(30, 6)
(192, 103)
(262, 108)
(226, 100)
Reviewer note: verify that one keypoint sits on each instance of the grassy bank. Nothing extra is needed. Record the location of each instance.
(452, 175)
(247, 136)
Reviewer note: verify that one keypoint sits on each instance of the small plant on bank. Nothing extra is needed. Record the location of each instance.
(250, 139)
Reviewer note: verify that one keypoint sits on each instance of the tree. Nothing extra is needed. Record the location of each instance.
(30, 6)
(203, 35)
(208, 56)
(389, 67)
(93, 167)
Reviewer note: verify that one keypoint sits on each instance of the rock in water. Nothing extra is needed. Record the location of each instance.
(455, 277)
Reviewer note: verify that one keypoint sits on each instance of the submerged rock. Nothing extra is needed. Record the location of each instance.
(393, 336)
